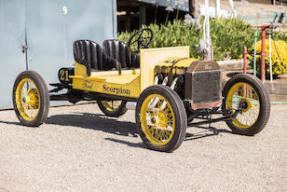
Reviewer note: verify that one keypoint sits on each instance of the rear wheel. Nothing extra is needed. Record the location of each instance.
(112, 108)
(161, 118)
(31, 99)
(248, 93)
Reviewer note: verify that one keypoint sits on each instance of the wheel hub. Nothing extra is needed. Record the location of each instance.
(31, 99)
(245, 105)
(153, 120)
(159, 119)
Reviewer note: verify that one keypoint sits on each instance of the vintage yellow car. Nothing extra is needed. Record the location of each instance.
(170, 90)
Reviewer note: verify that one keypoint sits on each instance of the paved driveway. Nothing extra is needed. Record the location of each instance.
(78, 149)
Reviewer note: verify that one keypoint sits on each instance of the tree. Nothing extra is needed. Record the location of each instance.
(194, 8)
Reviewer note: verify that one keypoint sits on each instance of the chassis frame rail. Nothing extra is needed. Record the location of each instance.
(225, 118)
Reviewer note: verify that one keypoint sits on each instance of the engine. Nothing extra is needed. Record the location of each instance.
(196, 82)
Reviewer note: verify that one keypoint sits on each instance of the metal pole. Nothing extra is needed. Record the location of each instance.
(244, 60)
(231, 4)
(255, 41)
(232, 7)
(217, 7)
(211, 49)
(142, 16)
(204, 40)
(270, 59)
(263, 55)
(254, 57)
(244, 69)
(208, 39)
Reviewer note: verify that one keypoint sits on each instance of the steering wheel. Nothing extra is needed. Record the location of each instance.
(140, 38)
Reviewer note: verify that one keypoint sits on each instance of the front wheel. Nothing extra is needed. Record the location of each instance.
(248, 94)
(31, 99)
(160, 118)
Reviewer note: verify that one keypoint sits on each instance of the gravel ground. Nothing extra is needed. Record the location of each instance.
(78, 149)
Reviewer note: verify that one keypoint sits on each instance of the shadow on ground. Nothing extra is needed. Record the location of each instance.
(95, 122)
(204, 131)
(124, 128)
(11, 123)
(100, 122)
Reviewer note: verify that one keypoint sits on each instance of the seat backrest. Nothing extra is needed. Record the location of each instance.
(118, 50)
(90, 54)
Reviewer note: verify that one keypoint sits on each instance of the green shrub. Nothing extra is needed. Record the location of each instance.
(228, 36)
(171, 35)
(280, 36)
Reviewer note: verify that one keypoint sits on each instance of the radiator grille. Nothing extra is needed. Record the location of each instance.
(206, 86)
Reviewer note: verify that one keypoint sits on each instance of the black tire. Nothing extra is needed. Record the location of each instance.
(113, 113)
(44, 98)
(264, 106)
(179, 115)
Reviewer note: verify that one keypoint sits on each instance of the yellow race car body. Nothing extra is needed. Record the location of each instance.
(131, 82)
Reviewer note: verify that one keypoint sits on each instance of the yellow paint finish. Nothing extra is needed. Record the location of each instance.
(93, 84)
(131, 82)
(120, 79)
(180, 62)
(110, 82)
(150, 57)
(80, 70)
(115, 72)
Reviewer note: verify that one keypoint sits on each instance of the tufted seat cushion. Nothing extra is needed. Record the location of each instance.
(90, 54)
(118, 50)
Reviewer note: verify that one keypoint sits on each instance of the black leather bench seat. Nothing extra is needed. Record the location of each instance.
(113, 55)
(119, 51)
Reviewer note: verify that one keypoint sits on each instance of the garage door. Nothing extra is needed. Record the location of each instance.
(48, 28)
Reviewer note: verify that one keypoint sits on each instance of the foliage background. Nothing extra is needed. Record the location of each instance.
(277, 67)
(229, 36)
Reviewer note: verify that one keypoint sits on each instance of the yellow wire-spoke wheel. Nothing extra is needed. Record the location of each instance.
(246, 93)
(161, 118)
(30, 99)
(242, 95)
(111, 105)
(158, 120)
(112, 108)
